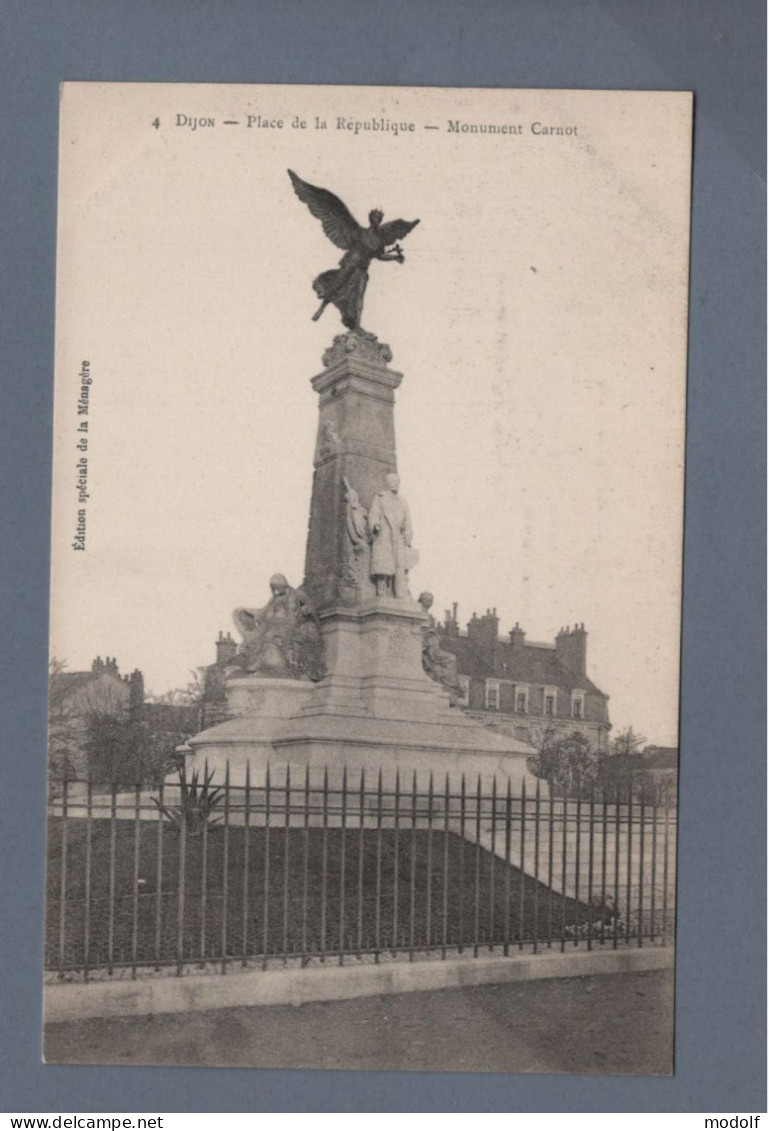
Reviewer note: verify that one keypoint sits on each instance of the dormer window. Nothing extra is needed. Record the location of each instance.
(463, 699)
(549, 701)
(578, 704)
(492, 695)
(521, 699)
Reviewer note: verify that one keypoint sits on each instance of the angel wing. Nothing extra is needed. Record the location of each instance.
(395, 230)
(339, 224)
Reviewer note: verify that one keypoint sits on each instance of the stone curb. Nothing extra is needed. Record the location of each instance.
(77, 1001)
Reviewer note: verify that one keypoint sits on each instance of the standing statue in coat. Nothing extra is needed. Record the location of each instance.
(392, 554)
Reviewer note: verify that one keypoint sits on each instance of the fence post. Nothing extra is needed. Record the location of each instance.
(63, 878)
(378, 893)
(445, 908)
(203, 933)
(180, 896)
(112, 865)
(286, 859)
(665, 849)
(462, 804)
(550, 815)
(159, 885)
(616, 866)
(604, 830)
(536, 863)
(577, 862)
(246, 861)
(429, 882)
(342, 866)
(629, 876)
(653, 908)
(522, 882)
(225, 865)
(305, 861)
(590, 864)
(135, 902)
(396, 846)
(641, 849)
(266, 877)
(87, 909)
(361, 847)
(413, 867)
(508, 866)
(324, 869)
(492, 859)
(477, 883)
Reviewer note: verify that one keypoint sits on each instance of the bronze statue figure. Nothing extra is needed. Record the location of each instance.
(346, 285)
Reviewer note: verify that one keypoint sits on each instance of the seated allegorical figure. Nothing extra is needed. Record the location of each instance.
(439, 664)
(282, 639)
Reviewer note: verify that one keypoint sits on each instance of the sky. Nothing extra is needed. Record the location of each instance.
(539, 322)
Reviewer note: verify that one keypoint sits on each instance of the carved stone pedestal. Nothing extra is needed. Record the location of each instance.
(375, 707)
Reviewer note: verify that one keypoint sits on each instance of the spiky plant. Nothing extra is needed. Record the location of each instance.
(197, 803)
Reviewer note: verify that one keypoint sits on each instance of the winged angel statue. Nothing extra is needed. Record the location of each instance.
(345, 286)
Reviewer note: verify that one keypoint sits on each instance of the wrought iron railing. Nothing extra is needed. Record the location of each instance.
(330, 866)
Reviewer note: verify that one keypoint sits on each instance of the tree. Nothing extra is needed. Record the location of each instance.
(627, 742)
(619, 766)
(171, 718)
(567, 762)
(109, 741)
(655, 788)
(64, 728)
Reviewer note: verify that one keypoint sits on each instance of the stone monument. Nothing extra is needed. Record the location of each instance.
(343, 672)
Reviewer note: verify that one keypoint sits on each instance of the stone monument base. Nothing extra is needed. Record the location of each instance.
(376, 709)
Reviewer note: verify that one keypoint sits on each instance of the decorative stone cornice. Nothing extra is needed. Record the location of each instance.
(364, 345)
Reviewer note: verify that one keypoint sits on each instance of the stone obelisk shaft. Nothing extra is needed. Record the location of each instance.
(355, 449)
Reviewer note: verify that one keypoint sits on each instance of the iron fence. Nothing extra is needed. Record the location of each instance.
(333, 866)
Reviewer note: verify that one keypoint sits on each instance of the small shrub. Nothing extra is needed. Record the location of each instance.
(197, 803)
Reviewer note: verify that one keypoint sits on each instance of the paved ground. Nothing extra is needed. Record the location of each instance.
(618, 1023)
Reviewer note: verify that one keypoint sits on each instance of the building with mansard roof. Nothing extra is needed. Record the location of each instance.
(522, 687)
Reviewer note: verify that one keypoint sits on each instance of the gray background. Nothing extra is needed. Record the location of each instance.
(716, 48)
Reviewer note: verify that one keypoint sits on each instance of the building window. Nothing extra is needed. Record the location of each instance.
(521, 700)
(577, 704)
(549, 701)
(464, 691)
(492, 695)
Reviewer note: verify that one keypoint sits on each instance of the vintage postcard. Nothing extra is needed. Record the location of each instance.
(366, 577)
